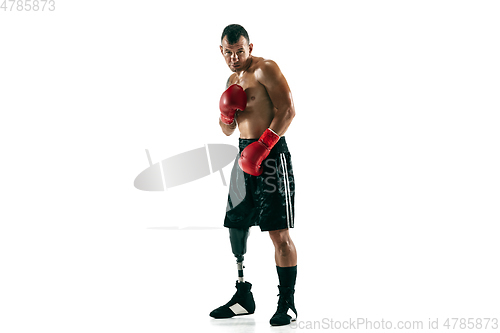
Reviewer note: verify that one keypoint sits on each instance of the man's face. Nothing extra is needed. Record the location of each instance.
(237, 55)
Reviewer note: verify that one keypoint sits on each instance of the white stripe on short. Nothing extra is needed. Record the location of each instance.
(288, 196)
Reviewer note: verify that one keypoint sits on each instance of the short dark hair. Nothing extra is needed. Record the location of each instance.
(233, 32)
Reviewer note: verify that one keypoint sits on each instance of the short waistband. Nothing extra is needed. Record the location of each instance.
(279, 147)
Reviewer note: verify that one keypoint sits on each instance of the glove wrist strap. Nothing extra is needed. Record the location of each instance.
(269, 138)
(227, 120)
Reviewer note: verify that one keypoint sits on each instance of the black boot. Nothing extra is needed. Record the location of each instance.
(285, 302)
(242, 303)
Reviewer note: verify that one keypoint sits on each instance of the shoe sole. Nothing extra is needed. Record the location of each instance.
(236, 315)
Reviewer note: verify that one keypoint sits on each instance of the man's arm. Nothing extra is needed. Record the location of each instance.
(270, 76)
(228, 129)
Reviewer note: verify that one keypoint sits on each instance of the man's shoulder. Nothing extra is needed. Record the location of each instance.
(265, 69)
(262, 63)
(230, 80)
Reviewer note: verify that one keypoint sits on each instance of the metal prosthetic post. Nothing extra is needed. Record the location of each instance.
(238, 238)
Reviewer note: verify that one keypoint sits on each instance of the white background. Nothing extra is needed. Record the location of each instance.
(395, 148)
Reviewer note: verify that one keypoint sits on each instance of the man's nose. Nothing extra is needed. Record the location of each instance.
(234, 58)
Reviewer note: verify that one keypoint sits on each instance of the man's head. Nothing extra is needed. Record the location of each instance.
(236, 47)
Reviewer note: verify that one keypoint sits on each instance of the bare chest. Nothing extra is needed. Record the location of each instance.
(257, 96)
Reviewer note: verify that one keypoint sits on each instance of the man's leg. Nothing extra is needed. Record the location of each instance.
(242, 303)
(286, 264)
(285, 253)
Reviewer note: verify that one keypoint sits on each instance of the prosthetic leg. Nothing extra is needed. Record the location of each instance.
(238, 238)
(242, 302)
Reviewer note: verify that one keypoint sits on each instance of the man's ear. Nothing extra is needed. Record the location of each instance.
(250, 48)
(221, 49)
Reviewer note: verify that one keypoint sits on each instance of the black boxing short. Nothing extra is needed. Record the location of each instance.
(266, 200)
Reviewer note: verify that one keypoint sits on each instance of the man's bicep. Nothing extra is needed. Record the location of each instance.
(276, 85)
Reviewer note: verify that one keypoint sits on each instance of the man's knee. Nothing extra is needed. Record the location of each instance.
(281, 239)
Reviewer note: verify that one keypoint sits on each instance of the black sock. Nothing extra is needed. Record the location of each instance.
(287, 276)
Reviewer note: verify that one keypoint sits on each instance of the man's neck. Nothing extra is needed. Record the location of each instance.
(249, 63)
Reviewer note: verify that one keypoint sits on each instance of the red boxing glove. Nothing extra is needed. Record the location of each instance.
(234, 98)
(255, 153)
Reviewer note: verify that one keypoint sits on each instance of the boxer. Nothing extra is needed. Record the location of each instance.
(259, 103)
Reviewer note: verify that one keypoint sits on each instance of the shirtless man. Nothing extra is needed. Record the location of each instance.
(258, 101)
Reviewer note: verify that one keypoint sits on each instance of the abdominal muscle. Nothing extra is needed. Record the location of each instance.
(252, 124)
